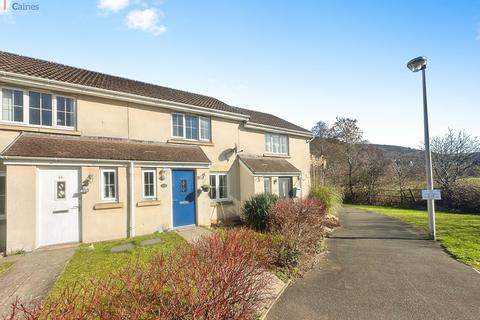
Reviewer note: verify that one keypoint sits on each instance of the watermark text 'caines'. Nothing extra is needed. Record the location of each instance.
(20, 6)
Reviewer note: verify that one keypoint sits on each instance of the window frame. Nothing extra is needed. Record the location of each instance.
(26, 108)
(3, 216)
(269, 137)
(154, 196)
(25, 100)
(102, 185)
(217, 186)
(74, 102)
(184, 128)
(269, 179)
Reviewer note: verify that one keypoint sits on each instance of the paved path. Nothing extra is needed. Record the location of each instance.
(192, 234)
(380, 268)
(32, 275)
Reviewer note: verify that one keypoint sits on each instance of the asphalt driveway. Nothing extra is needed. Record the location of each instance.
(380, 268)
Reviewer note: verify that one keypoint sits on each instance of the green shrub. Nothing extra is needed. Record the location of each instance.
(330, 196)
(255, 210)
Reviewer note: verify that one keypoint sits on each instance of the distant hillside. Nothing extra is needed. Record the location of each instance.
(395, 149)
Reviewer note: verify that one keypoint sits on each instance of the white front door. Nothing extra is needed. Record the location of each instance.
(58, 218)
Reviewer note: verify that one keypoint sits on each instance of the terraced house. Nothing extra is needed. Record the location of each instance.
(89, 156)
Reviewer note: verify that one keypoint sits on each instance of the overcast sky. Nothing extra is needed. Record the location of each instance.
(302, 60)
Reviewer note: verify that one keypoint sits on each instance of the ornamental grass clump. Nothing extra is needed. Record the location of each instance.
(255, 210)
(218, 277)
(331, 196)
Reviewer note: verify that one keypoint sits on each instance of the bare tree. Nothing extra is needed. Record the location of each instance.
(321, 130)
(404, 171)
(373, 168)
(453, 155)
(348, 132)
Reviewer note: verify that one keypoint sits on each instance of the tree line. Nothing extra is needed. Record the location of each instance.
(391, 175)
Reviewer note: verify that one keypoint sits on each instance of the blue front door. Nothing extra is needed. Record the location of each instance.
(183, 185)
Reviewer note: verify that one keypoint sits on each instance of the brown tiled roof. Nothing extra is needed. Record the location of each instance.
(265, 165)
(18, 64)
(68, 147)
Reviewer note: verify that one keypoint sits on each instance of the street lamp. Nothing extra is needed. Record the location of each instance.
(415, 65)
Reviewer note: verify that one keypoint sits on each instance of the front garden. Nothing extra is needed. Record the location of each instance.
(221, 276)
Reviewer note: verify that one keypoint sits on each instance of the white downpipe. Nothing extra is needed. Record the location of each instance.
(131, 200)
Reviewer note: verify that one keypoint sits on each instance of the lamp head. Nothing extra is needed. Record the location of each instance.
(417, 64)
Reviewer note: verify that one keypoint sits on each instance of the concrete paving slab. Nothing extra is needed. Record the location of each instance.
(122, 248)
(192, 234)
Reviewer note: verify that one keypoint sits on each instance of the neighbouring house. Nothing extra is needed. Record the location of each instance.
(89, 156)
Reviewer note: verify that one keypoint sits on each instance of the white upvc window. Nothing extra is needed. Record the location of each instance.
(65, 111)
(109, 184)
(37, 108)
(267, 185)
(218, 186)
(276, 143)
(149, 183)
(205, 128)
(12, 105)
(2, 195)
(191, 127)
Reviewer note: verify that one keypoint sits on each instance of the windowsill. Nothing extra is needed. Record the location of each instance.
(194, 142)
(27, 128)
(215, 203)
(276, 155)
(148, 203)
(107, 205)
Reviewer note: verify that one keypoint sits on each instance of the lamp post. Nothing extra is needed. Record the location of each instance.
(415, 65)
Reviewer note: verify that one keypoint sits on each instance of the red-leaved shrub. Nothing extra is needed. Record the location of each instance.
(218, 277)
(299, 224)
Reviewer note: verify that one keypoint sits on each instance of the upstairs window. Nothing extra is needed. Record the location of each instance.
(191, 127)
(65, 112)
(12, 105)
(276, 143)
(37, 108)
(40, 108)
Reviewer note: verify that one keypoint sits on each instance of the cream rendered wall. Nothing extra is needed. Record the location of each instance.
(149, 123)
(150, 219)
(102, 117)
(105, 224)
(21, 208)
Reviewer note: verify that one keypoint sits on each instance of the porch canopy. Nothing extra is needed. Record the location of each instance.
(51, 146)
(269, 166)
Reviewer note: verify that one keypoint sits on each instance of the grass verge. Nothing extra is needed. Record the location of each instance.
(96, 260)
(458, 233)
(4, 266)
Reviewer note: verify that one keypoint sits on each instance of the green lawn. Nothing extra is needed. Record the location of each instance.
(459, 234)
(4, 266)
(98, 262)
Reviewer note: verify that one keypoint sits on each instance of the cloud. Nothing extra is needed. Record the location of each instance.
(147, 20)
(112, 5)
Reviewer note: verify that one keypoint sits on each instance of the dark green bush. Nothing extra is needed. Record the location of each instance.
(255, 210)
(330, 196)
